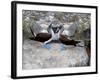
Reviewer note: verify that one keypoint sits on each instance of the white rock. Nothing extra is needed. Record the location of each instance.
(40, 57)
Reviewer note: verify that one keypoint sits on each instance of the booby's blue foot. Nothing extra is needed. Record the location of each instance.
(62, 47)
(47, 46)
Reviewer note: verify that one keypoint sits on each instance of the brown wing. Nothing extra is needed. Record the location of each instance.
(42, 37)
(64, 39)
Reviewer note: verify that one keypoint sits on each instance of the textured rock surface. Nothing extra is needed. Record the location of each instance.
(36, 56)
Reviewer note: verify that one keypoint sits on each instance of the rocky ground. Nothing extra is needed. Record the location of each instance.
(37, 56)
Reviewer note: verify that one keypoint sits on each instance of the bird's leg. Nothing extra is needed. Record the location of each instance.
(52, 34)
(48, 41)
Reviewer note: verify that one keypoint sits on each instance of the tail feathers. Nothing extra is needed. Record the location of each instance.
(34, 35)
